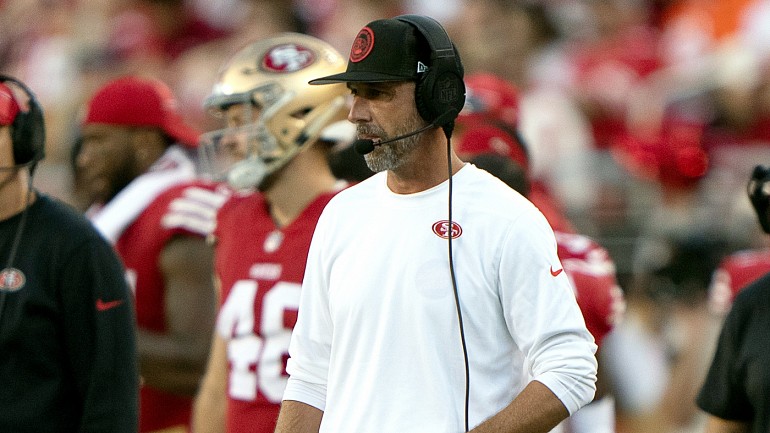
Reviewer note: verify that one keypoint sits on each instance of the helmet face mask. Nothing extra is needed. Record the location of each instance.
(278, 113)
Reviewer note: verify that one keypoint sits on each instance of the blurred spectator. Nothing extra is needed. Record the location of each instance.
(655, 357)
(191, 74)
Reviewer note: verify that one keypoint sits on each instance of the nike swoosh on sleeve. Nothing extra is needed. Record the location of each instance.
(107, 305)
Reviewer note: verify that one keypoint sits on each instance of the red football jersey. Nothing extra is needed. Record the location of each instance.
(735, 272)
(185, 209)
(593, 277)
(260, 267)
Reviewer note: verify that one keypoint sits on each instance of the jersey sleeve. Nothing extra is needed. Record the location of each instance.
(99, 329)
(192, 209)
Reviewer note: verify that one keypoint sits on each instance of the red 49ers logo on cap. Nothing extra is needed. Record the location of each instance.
(441, 229)
(362, 45)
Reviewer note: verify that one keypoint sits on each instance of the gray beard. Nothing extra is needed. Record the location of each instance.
(393, 155)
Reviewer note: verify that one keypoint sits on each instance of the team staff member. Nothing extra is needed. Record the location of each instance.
(67, 347)
(275, 119)
(736, 392)
(379, 345)
(135, 163)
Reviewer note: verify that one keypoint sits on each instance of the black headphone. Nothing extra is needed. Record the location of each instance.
(441, 88)
(28, 127)
(759, 196)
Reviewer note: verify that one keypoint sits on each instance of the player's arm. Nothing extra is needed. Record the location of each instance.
(176, 360)
(210, 402)
(297, 417)
(718, 425)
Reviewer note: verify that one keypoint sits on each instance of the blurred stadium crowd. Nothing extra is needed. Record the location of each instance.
(644, 119)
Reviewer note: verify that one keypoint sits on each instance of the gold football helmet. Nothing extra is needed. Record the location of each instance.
(278, 113)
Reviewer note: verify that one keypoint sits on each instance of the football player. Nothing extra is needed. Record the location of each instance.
(273, 153)
(136, 167)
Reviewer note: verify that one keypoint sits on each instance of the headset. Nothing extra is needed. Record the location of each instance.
(759, 195)
(28, 140)
(439, 96)
(440, 89)
(28, 127)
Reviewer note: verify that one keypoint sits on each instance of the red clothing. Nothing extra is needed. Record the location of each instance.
(592, 273)
(607, 71)
(261, 281)
(735, 272)
(186, 209)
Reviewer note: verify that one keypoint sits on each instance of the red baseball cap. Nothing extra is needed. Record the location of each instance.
(135, 101)
(9, 108)
(489, 95)
(477, 138)
(488, 121)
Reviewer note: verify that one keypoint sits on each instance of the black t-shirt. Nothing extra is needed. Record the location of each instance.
(737, 386)
(67, 339)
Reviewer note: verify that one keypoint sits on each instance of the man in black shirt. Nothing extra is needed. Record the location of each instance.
(67, 346)
(736, 393)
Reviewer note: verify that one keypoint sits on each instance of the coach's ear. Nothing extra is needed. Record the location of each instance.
(759, 195)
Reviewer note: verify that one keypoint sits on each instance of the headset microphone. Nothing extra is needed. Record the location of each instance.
(365, 146)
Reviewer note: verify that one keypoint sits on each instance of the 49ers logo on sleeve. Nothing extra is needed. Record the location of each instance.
(441, 229)
(11, 279)
(287, 58)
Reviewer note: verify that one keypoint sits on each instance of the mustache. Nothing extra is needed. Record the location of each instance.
(369, 130)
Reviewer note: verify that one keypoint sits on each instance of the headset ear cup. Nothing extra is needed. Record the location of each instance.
(22, 147)
(423, 92)
(28, 128)
(438, 91)
(758, 195)
(36, 130)
(441, 88)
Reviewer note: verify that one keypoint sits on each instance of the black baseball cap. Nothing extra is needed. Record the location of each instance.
(383, 50)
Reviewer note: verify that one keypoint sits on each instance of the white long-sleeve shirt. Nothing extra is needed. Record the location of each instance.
(377, 343)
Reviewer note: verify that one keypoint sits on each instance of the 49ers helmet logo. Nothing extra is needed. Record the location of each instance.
(362, 45)
(441, 229)
(287, 58)
(11, 279)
